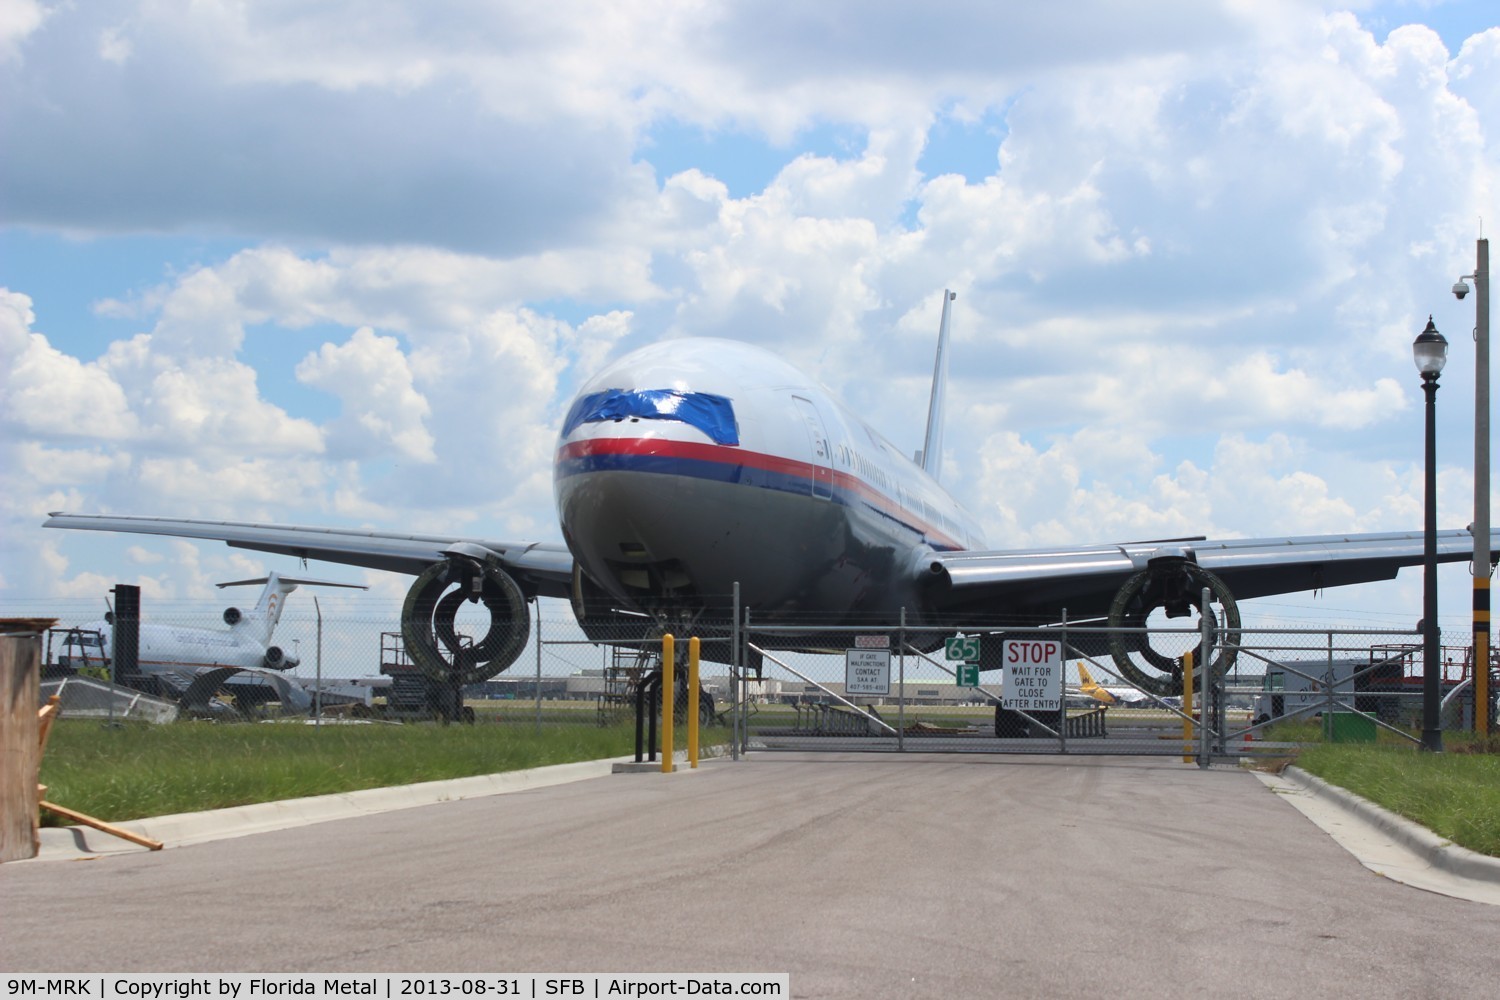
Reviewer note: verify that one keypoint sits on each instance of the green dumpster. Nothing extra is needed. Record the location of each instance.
(1348, 727)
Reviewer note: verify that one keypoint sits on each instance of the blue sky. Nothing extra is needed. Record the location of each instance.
(345, 262)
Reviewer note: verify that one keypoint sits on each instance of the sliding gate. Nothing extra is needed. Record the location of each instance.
(1079, 690)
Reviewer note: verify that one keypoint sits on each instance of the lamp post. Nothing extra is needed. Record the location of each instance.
(1481, 567)
(1430, 351)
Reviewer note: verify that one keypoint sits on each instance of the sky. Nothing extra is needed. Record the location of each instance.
(345, 263)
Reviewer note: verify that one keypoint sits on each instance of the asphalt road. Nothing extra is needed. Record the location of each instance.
(860, 875)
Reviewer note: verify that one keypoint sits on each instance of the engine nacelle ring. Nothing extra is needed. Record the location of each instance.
(1155, 587)
(427, 621)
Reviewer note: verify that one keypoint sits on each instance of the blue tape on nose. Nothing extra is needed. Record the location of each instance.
(713, 415)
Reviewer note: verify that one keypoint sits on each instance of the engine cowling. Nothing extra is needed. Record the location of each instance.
(276, 659)
(232, 616)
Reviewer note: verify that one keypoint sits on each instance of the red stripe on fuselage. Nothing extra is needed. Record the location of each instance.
(692, 450)
(723, 455)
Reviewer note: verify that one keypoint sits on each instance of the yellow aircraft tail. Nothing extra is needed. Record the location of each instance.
(1090, 687)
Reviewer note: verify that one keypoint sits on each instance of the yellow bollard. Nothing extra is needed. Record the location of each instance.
(693, 701)
(1187, 708)
(668, 701)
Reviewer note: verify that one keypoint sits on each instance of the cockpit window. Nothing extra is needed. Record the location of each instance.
(713, 415)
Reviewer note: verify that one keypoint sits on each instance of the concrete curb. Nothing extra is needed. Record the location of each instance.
(184, 829)
(1442, 854)
(629, 765)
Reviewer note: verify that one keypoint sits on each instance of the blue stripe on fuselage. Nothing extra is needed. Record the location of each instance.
(736, 474)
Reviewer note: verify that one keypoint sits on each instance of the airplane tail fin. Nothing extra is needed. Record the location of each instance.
(1085, 679)
(932, 446)
(262, 619)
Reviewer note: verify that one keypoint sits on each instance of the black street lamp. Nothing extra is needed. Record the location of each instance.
(1430, 351)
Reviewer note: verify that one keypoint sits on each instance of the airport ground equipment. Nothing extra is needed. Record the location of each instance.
(1383, 683)
(415, 693)
(626, 670)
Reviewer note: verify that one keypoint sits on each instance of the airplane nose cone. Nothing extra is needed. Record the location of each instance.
(679, 473)
(628, 528)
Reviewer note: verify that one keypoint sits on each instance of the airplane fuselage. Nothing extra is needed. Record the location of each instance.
(692, 465)
(168, 647)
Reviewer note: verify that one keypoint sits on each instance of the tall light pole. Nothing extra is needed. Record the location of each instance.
(1481, 279)
(1430, 351)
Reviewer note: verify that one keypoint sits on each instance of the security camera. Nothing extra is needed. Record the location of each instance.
(1460, 289)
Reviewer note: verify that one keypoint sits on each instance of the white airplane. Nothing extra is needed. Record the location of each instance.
(1108, 694)
(691, 466)
(195, 662)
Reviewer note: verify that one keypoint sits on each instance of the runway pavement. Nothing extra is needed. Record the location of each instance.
(859, 874)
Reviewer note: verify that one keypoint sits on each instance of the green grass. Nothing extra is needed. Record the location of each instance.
(1311, 731)
(1293, 731)
(135, 771)
(1455, 794)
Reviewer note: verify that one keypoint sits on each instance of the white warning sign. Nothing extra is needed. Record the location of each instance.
(867, 671)
(1031, 674)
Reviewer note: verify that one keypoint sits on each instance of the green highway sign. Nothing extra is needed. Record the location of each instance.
(968, 675)
(964, 647)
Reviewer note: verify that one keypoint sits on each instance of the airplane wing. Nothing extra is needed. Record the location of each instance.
(1085, 579)
(539, 568)
(1082, 579)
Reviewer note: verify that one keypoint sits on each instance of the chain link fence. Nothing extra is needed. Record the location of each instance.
(1098, 691)
(1107, 691)
(349, 663)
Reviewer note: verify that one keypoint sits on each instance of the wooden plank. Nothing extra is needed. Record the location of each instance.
(20, 750)
(44, 719)
(99, 824)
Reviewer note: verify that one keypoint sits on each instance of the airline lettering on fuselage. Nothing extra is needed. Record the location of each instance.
(196, 638)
